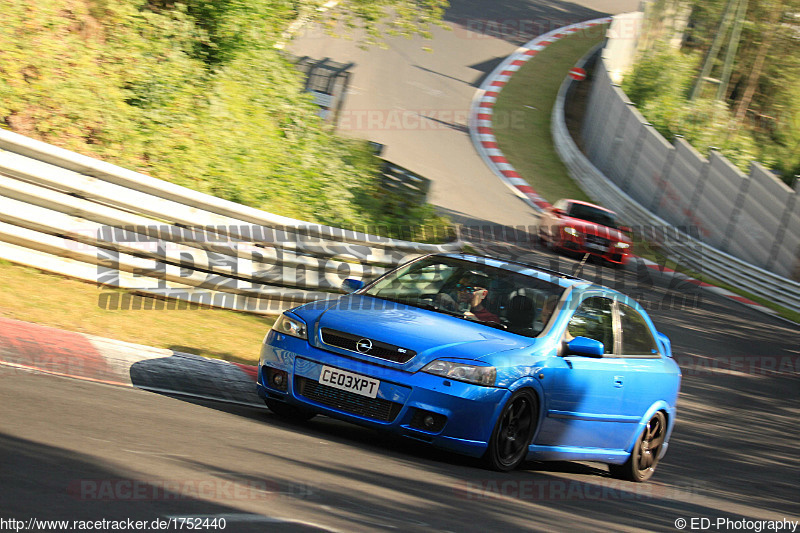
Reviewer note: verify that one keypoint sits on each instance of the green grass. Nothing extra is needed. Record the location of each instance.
(48, 299)
(522, 128)
(522, 117)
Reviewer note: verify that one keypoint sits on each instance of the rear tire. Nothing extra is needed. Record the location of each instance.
(642, 462)
(513, 432)
(289, 412)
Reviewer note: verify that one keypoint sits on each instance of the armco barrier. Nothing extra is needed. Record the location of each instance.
(686, 249)
(70, 214)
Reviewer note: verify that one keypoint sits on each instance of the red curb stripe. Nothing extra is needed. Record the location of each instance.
(53, 351)
(544, 43)
(531, 52)
(486, 104)
(491, 94)
(510, 173)
(507, 73)
(485, 129)
(498, 159)
(484, 116)
(64, 375)
(518, 62)
(498, 83)
(250, 370)
(743, 300)
(489, 144)
(559, 35)
(699, 283)
(527, 189)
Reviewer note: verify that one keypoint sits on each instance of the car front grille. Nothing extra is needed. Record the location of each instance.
(349, 402)
(381, 350)
(595, 239)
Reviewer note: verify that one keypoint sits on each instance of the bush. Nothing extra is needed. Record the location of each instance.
(194, 94)
(659, 85)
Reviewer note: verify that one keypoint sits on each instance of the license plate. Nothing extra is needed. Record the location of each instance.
(344, 380)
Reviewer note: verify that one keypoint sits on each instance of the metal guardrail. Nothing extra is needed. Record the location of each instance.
(70, 214)
(680, 246)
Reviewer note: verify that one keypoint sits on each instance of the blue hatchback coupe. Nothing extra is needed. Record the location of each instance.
(485, 357)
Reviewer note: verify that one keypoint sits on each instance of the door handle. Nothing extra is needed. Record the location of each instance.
(617, 381)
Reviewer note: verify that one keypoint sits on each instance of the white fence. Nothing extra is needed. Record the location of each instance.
(70, 214)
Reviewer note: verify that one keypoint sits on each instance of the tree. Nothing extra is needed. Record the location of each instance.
(762, 95)
(371, 21)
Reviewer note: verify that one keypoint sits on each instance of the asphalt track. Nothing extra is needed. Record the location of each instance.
(82, 450)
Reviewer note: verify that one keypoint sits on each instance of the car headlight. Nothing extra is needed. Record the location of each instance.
(480, 375)
(622, 245)
(291, 326)
(571, 231)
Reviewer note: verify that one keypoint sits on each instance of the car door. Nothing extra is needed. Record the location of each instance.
(648, 377)
(584, 395)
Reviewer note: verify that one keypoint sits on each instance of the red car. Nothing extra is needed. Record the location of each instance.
(581, 228)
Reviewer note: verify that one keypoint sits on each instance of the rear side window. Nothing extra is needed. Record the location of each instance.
(637, 339)
(594, 320)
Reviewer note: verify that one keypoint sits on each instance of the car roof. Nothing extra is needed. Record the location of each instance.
(554, 276)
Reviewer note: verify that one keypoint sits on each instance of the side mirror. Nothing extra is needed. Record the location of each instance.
(585, 346)
(351, 285)
(557, 211)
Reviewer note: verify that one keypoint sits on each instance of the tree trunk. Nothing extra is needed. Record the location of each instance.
(758, 64)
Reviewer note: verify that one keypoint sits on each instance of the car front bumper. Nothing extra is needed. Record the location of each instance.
(611, 253)
(464, 413)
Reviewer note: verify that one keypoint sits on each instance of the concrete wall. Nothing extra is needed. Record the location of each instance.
(754, 217)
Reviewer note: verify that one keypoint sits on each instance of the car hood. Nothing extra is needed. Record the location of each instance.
(592, 228)
(430, 334)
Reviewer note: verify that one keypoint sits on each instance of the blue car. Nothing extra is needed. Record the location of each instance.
(484, 357)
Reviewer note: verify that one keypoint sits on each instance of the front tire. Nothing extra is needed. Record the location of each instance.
(513, 432)
(289, 412)
(642, 462)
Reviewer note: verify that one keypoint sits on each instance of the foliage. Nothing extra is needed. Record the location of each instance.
(373, 20)
(659, 85)
(192, 93)
(759, 119)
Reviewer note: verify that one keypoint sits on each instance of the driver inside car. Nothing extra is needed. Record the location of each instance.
(468, 298)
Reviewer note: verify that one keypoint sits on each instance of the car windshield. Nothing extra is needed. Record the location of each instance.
(471, 290)
(592, 214)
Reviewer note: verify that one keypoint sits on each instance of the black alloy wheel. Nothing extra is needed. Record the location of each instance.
(513, 432)
(644, 457)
